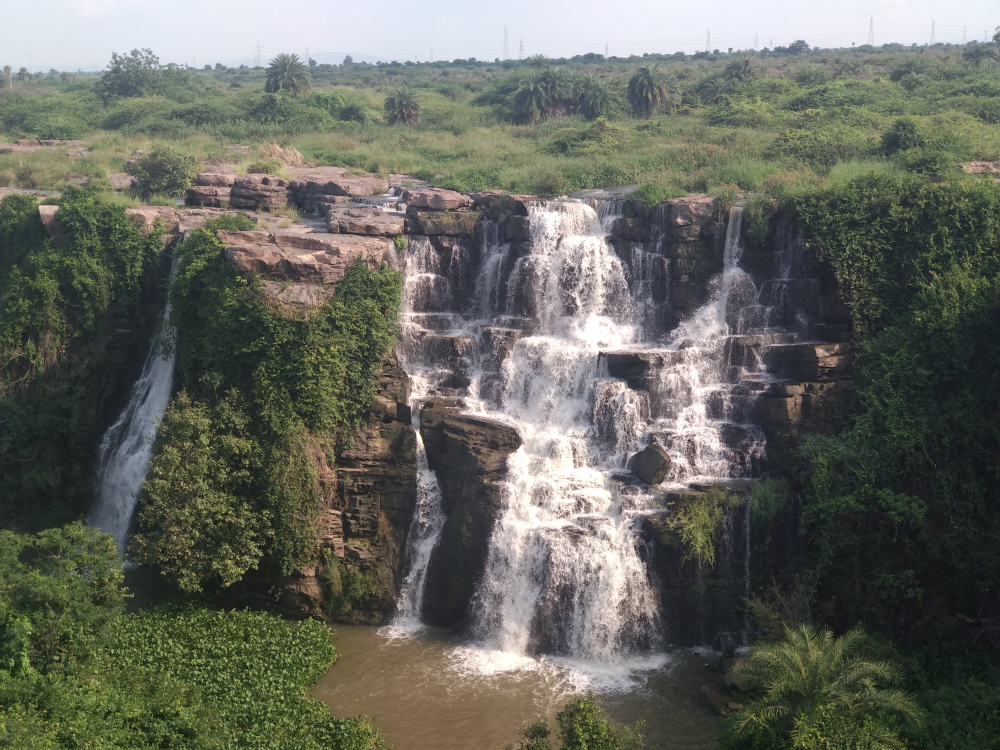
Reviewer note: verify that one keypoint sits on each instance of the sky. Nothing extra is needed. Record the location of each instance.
(82, 34)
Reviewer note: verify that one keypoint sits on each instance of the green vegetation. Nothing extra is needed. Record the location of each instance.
(583, 725)
(164, 171)
(287, 73)
(75, 672)
(269, 393)
(815, 690)
(402, 107)
(698, 521)
(58, 307)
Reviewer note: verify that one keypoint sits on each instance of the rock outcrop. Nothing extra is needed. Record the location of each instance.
(650, 465)
(259, 192)
(369, 220)
(469, 455)
(312, 189)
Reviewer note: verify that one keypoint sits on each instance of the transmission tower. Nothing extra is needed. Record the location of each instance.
(708, 41)
(871, 31)
(506, 46)
(520, 51)
(931, 42)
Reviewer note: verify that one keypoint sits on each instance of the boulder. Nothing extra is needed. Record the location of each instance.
(294, 256)
(259, 192)
(436, 199)
(313, 187)
(650, 465)
(358, 219)
(216, 179)
(201, 195)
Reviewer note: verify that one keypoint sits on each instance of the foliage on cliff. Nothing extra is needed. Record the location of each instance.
(75, 672)
(268, 393)
(56, 308)
(903, 509)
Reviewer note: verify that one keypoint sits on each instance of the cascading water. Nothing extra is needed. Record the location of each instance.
(521, 333)
(128, 444)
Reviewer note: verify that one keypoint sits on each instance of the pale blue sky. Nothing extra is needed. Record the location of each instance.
(71, 34)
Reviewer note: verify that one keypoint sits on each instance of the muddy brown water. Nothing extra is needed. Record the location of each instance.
(429, 692)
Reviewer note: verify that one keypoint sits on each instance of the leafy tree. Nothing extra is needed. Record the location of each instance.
(798, 47)
(23, 74)
(975, 55)
(744, 68)
(814, 687)
(196, 523)
(583, 725)
(904, 134)
(812, 77)
(402, 107)
(650, 91)
(287, 73)
(138, 73)
(163, 171)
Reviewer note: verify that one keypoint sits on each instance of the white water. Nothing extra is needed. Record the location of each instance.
(128, 444)
(566, 577)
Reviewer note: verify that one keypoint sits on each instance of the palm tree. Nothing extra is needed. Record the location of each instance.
(538, 61)
(976, 54)
(402, 107)
(598, 98)
(812, 679)
(7, 70)
(287, 73)
(22, 74)
(996, 37)
(532, 100)
(649, 91)
(711, 90)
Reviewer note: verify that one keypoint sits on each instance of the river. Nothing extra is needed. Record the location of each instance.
(430, 692)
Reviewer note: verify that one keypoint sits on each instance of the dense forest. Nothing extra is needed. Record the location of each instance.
(885, 159)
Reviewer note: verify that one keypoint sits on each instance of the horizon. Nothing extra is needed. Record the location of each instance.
(82, 34)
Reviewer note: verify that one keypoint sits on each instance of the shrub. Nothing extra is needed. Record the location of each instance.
(266, 166)
(904, 134)
(164, 170)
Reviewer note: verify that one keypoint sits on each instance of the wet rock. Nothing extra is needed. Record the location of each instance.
(469, 455)
(810, 362)
(368, 220)
(650, 465)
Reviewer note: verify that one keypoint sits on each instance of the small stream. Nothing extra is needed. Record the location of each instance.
(430, 692)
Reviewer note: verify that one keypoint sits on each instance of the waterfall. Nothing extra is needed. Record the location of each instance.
(128, 444)
(519, 333)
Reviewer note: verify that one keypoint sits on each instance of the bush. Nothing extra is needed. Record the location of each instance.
(267, 166)
(164, 171)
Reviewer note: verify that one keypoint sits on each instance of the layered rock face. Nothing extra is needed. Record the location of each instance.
(469, 455)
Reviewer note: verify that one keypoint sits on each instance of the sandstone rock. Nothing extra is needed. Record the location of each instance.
(201, 195)
(319, 259)
(216, 179)
(692, 209)
(369, 220)
(498, 203)
(436, 199)
(469, 455)
(650, 465)
(810, 362)
(431, 223)
(308, 185)
(259, 192)
(53, 227)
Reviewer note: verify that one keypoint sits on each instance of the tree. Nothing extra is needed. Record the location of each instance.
(712, 90)
(814, 685)
(287, 73)
(138, 73)
(975, 55)
(743, 68)
(598, 98)
(22, 74)
(7, 76)
(402, 107)
(348, 60)
(798, 47)
(649, 91)
(996, 37)
(538, 61)
(164, 171)
(532, 99)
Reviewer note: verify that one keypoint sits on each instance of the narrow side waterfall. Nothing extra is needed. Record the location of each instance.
(128, 444)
